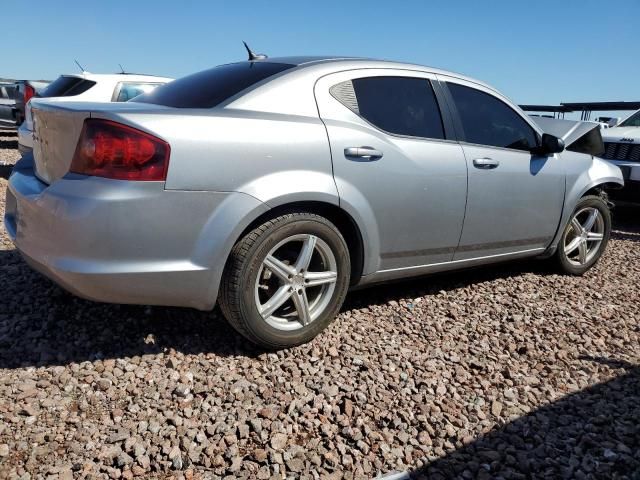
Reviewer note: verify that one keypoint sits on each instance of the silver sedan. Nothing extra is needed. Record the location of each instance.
(272, 186)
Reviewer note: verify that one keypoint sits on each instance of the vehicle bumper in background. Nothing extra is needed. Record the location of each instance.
(117, 241)
(630, 193)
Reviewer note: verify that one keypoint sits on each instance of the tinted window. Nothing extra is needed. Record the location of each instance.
(489, 121)
(632, 121)
(127, 91)
(209, 88)
(8, 91)
(400, 105)
(67, 87)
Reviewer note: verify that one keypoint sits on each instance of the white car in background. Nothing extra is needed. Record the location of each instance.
(89, 87)
(622, 147)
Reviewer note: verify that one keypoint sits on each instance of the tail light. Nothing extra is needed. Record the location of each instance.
(29, 92)
(112, 150)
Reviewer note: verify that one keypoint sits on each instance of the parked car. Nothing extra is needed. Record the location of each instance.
(272, 186)
(622, 147)
(608, 122)
(25, 91)
(89, 87)
(7, 105)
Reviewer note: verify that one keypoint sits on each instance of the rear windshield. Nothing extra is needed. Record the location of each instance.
(67, 87)
(211, 87)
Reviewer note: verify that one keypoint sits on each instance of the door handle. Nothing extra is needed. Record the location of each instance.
(365, 153)
(485, 163)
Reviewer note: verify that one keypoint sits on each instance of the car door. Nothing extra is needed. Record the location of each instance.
(395, 164)
(515, 197)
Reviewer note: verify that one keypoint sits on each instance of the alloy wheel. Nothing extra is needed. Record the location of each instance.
(295, 282)
(584, 236)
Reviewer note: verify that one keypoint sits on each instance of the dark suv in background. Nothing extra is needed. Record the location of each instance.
(7, 104)
(25, 90)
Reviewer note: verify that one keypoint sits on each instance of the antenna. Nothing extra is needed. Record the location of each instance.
(121, 69)
(80, 66)
(254, 56)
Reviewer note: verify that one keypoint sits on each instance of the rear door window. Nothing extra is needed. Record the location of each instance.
(67, 87)
(211, 87)
(398, 105)
(486, 120)
(125, 91)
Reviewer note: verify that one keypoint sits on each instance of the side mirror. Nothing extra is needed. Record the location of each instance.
(549, 145)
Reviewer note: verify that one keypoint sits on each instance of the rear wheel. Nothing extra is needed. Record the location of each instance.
(286, 280)
(585, 237)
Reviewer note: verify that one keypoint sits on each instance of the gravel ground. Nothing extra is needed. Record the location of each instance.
(511, 372)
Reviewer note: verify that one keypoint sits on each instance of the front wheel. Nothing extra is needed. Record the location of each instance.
(286, 280)
(585, 237)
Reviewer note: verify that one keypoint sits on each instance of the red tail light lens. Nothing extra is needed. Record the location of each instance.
(112, 150)
(29, 92)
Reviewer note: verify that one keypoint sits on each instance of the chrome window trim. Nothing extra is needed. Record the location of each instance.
(506, 149)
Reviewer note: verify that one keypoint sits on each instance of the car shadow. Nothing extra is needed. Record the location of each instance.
(594, 433)
(41, 324)
(536, 164)
(433, 284)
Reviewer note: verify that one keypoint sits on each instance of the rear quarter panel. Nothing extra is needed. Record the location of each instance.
(272, 157)
(268, 159)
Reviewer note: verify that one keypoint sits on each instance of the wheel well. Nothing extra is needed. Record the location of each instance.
(601, 189)
(341, 219)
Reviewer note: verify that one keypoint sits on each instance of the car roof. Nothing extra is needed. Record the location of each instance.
(118, 77)
(362, 62)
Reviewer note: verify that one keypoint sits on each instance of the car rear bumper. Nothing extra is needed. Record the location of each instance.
(117, 241)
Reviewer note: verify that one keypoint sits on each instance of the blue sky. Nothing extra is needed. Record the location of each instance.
(534, 52)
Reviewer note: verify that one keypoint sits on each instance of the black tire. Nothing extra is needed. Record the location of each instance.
(237, 292)
(562, 259)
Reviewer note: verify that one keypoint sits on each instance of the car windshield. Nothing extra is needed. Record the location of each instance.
(632, 121)
(211, 87)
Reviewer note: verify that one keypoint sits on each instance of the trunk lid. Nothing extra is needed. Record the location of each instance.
(57, 127)
(56, 130)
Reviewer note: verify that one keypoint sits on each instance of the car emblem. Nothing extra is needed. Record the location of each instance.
(627, 140)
